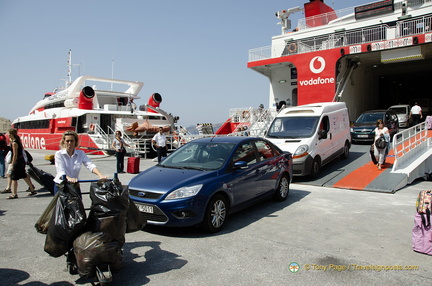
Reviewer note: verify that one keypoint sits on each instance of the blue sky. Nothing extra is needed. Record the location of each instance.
(193, 52)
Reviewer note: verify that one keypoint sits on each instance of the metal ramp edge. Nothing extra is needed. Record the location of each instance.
(387, 182)
(421, 167)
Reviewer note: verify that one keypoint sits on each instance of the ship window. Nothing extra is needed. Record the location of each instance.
(55, 104)
(37, 124)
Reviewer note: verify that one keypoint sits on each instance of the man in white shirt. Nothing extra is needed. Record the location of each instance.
(416, 114)
(159, 141)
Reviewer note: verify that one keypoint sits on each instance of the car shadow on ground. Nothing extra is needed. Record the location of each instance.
(235, 221)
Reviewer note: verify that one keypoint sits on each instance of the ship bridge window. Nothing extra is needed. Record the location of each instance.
(157, 117)
(55, 104)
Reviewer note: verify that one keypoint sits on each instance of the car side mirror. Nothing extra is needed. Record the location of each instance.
(240, 165)
(322, 134)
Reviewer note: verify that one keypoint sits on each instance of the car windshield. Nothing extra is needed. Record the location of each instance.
(399, 110)
(199, 156)
(293, 127)
(369, 117)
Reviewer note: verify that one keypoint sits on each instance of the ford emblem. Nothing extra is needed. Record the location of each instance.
(141, 194)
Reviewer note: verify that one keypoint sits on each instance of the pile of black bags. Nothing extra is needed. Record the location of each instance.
(94, 240)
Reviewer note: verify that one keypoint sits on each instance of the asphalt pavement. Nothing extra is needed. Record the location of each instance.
(319, 236)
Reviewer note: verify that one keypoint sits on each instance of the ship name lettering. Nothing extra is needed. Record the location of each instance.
(33, 142)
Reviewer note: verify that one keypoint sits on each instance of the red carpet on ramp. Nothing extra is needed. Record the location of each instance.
(363, 176)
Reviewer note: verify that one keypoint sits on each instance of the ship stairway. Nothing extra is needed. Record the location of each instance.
(100, 138)
(251, 121)
(261, 122)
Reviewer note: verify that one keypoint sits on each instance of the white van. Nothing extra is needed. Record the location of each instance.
(403, 113)
(314, 133)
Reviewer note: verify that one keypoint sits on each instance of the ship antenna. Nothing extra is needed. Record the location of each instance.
(69, 65)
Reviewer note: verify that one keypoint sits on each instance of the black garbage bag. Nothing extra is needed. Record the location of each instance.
(93, 249)
(108, 198)
(67, 221)
(114, 226)
(110, 203)
(43, 222)
(134, 218)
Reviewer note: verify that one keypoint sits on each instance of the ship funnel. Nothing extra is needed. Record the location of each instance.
(154, 101)
(86, 98)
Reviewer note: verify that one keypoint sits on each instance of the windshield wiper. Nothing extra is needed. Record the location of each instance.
(191, 168)
(167, 166)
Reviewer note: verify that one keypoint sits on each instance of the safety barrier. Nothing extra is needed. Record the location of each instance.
(383, 32)
(410, 145)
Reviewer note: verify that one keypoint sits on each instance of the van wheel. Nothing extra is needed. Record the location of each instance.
(316, 167)
(345, 153)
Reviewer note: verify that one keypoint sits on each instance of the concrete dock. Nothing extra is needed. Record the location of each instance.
(319, 236)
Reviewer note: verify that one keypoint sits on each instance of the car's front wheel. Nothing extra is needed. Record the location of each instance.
(215, 214)
(282, 190)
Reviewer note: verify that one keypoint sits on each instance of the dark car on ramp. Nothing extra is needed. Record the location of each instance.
(362, 130)
(206, 179)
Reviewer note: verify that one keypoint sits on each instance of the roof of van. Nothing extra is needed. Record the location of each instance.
(313, 109)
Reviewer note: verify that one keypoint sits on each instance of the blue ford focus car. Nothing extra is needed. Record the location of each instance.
(207, 179)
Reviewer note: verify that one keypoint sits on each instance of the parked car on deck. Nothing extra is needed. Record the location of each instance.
(206, 179)
(363, 128)
(403, 113)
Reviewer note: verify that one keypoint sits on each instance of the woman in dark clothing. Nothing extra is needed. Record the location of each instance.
(18, 165)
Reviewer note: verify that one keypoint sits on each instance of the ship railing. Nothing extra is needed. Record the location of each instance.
(412, 147)
(413, 27)
(326, 18)
(342, 38)
(323, 19)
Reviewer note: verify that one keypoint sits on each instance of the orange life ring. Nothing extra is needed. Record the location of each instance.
(91, 127)
(292, 48)
(246, 114)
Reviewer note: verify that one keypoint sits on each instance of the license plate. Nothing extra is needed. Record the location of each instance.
(362, 136)
(145, 209)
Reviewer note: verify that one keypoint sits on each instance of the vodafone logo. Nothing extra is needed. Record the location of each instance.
(316, 66)
(321, 64)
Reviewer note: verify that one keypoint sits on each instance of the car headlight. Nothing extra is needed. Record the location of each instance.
(352, 130)
(301, 151)
(184, 192)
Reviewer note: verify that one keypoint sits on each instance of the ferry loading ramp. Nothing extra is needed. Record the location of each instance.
(410, 159)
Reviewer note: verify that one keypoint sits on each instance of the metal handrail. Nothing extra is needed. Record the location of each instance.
(403, 28)
(409, 143)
